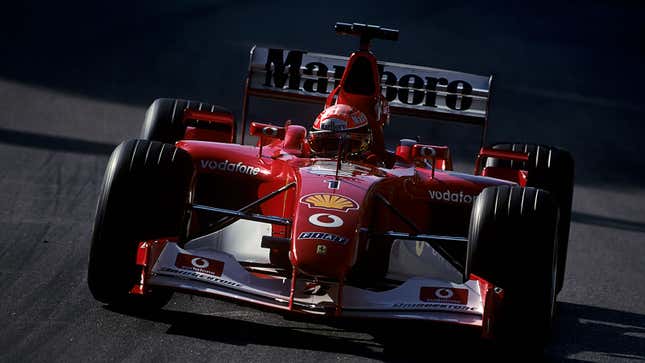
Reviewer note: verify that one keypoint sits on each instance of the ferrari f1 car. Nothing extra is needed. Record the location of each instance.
(292, 225)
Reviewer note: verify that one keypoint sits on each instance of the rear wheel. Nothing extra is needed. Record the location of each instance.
(163, 121)
(551, 169)
(512, 243)
(144, 196)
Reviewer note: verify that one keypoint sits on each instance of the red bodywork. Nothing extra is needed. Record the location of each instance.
(333, 203)
(329, 211)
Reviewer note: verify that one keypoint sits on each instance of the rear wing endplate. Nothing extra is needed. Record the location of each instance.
(410, 90)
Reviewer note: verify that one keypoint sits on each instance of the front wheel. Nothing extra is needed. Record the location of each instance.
(144, 196)
(512, 243)
(552, 169)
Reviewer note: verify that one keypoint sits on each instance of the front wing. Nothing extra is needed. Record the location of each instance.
(218, 274)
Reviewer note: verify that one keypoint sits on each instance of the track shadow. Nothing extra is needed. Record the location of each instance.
(616, 223)
(581, 329)
(381, 340)
(578, 330)
(54, 143)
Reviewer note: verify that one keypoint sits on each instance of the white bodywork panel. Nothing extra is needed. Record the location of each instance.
(240, 239)
(205, 270)
(407, 258)
(416, 258)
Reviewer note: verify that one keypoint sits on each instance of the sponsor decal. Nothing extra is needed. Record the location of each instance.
(324, 236)
(199, 264)
(333, 184)
(434, 306)
(329, 202)
(445, 295)
(448, 196)
(427, 152)
(326, 220)
(284, 72)
(321, 249)
(200, 276)
(333, 124)
(270, 131)
(359, 119)
(229, 167)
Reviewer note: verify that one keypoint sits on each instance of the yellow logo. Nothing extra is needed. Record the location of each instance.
(329, 202)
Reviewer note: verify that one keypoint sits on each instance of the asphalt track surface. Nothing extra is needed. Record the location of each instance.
(75, 80)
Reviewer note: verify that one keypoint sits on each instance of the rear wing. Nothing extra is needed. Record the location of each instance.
(410, 90)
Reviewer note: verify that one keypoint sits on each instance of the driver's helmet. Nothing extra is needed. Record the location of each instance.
(336, 123)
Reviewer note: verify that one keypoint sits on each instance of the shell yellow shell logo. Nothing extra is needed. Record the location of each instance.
(329, 201)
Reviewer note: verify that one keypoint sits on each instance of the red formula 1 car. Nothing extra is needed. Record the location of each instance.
(327, 221)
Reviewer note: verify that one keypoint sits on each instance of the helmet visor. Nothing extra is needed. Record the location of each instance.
(325, 143)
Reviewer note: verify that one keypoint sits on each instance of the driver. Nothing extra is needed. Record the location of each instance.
(340, 125)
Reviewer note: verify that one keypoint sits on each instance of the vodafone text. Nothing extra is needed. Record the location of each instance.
(452, 197)
(230, 167)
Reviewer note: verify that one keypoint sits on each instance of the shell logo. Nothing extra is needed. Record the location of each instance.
(329, 202)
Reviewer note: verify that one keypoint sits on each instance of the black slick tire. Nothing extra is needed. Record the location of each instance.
(163, 120)
(552, 169)
(512, 243)
(144, 196)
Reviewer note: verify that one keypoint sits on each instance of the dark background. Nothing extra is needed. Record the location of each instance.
(76, 77)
